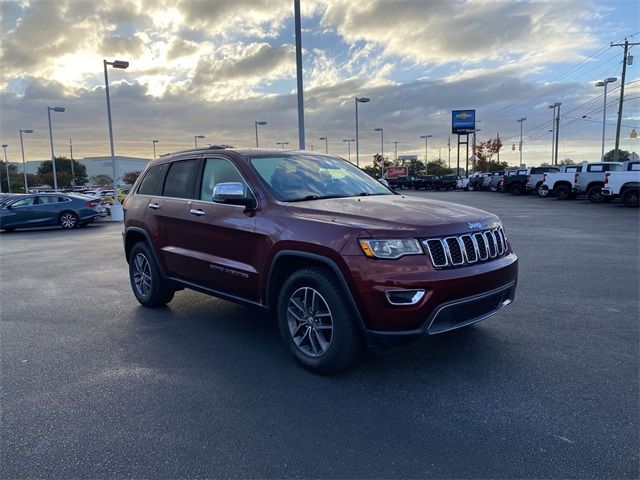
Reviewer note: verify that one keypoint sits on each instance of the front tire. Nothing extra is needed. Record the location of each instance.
(150, 288)
(317, 323)
(515, 189)
(562, 192)
(595, 195)
(630, 198)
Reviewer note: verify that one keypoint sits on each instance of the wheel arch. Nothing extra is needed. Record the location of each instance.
(134, 235)
(286, 262)
(629, 185)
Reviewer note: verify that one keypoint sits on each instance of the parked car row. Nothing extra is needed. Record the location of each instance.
(598, 181)
(426, 182)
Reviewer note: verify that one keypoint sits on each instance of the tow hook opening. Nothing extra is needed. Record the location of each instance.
(404, 297)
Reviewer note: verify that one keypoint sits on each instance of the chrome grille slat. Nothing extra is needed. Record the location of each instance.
(454, 251)
(466, 249)
(482, 246)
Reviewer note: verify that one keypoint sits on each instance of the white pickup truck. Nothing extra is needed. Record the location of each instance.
(624, 184)
(560, 184)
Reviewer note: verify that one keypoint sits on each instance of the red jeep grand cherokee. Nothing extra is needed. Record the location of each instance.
(340, 260)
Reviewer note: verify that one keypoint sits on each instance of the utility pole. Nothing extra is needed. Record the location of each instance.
(449, 147)
(625, 45)
(396, 145)
(498, 138)
(555, 162)
(73, 175)
(296, 7)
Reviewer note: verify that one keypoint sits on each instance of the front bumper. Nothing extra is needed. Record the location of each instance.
(575, 189)
(450, 316)
(371, 279)
(606, 191)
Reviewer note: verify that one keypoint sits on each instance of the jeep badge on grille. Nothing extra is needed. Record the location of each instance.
(474, 226)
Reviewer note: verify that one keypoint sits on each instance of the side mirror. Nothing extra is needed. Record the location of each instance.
(233, 193)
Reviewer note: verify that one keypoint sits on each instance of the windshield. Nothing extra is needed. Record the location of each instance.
(309, 177)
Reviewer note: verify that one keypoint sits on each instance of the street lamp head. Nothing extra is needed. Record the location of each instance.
(27, 131)
(322, 138)
(522, 119)
(260, 122)
(377, 129)
(57, 109)
(4, 145)
(155, 141)
(363, 99)
(600, 84)
(349, 140)
(120, 64)
(611, 79)
(199, 136)
(426, 136)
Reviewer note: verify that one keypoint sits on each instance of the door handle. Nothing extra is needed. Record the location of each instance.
(197, 212)
(155, 206)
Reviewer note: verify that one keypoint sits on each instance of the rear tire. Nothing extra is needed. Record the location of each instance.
(150, 288)
(562, 192)
(630, 198)
(317, 323)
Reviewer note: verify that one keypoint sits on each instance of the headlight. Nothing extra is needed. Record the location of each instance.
(391, 248)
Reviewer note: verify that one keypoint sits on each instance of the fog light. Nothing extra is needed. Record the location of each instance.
(404, 297)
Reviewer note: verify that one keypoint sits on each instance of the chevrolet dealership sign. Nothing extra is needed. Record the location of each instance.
(463, 121)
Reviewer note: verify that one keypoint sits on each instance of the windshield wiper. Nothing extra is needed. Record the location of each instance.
(316, 197)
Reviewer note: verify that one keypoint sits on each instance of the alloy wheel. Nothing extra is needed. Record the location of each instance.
(68, 220)
(310, 321)
(142, 275)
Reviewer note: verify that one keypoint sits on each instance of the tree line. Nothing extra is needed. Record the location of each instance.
(66, 175)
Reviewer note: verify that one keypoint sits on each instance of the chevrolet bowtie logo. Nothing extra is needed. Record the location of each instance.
(463, 115)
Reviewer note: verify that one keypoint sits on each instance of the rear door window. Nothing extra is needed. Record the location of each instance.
(153, 180)
(181, 179)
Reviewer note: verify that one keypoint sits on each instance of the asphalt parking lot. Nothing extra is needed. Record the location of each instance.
(95, 386)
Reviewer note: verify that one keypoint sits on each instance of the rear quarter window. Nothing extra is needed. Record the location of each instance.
(153, 180)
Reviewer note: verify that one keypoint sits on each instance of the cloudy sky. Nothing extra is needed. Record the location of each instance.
(213, 67)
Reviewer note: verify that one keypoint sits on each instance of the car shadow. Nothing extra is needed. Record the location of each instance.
(199, 330)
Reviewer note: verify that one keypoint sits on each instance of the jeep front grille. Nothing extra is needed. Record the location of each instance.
(466, 249)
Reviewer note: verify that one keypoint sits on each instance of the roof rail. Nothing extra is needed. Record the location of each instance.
(199, 149)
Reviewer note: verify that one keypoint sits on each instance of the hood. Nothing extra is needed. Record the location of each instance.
(391, 214)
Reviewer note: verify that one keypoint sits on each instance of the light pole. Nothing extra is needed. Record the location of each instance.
(359, 100)
(604, 84)
(195, 139)
(349, 140)
(426, 147)
(381, 147)
(553, 127)
(282, 144)
(326, 144)
(6, 165)
(53, 158)
(153, 142)
(117, 214)
(520, 121)
(256, 123)
(395, 144)
(24, 165)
